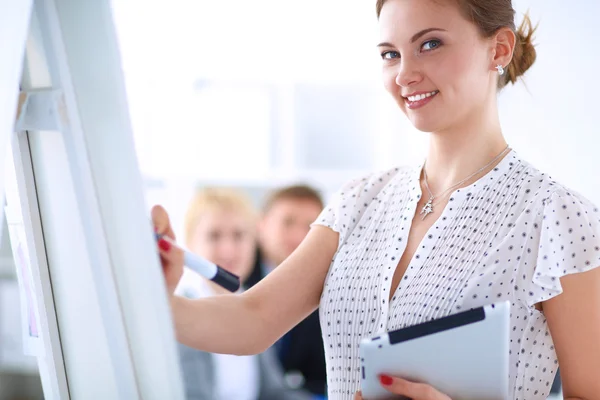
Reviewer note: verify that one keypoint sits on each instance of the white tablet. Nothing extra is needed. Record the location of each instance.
(464, 355)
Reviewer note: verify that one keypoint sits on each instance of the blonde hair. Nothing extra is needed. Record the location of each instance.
(216, 199)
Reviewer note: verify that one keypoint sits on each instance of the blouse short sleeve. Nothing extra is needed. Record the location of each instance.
(351, 201)
(343, 207)
(569, 242)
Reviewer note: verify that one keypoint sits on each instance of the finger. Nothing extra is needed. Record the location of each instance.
(161, 222)
(414, 390)
(169, 253)
(358, 395)
(164, 246)
(172, 266)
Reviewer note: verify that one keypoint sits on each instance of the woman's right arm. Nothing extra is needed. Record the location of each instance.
(251, 322)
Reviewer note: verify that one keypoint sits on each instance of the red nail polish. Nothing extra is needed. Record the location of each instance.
(386, 380)
(164, 245)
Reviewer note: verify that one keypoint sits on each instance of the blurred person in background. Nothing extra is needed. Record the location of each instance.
(284, 223)
(220, 225)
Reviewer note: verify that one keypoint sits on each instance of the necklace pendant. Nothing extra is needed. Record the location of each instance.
(427, 209)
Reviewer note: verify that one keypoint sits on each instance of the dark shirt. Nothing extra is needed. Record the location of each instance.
(301, 349)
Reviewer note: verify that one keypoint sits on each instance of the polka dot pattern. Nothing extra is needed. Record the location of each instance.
(509, 236)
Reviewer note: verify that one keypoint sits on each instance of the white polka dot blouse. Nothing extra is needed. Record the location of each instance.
(509, 236)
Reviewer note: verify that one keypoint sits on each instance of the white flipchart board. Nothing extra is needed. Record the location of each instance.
(104, 320)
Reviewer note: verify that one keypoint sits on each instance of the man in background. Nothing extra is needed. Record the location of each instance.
(285, 222)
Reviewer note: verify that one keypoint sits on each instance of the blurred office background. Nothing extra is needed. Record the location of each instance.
(256, 94)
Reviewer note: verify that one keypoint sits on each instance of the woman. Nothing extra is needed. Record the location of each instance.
(220, 225)
(473, 225)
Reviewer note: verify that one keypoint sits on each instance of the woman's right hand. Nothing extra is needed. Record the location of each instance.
(170, 256)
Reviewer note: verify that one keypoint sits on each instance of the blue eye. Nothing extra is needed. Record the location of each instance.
(389, 55)
(431, 45)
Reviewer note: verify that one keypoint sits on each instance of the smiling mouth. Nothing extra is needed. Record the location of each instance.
(420, 100)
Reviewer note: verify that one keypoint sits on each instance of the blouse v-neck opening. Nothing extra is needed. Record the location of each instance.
(419, 257)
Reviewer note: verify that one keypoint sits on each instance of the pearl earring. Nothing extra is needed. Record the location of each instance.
(500, 69)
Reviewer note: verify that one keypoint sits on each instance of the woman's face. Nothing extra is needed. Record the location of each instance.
(227, 238)
(436, 65)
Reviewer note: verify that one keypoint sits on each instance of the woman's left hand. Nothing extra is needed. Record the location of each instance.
(413, 390)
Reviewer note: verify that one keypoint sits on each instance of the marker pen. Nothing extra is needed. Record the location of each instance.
(206, 268)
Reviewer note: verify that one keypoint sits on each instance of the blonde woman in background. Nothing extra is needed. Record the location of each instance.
(220, 225)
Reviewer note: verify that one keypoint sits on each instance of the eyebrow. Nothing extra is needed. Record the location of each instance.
(415, 37)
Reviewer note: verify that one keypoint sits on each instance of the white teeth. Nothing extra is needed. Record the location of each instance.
(421, 96)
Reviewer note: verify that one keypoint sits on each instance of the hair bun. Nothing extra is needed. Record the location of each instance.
(524, 54)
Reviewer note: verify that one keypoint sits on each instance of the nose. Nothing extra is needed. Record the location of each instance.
(408, 74)
(227, 251)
